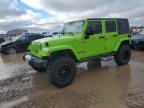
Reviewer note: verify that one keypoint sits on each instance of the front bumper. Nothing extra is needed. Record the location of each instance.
(1, 50)
(35, 62)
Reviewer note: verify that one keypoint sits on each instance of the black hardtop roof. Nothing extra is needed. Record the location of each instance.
(107, 19)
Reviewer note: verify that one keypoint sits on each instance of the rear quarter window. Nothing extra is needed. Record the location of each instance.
(123, 26)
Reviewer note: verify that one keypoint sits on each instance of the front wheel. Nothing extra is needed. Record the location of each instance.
(61, 71)
(123, 55)
(11, 50)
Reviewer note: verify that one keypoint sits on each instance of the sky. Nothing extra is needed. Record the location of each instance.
(45, 15)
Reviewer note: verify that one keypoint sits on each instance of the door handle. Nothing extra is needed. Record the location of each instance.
(101, 37)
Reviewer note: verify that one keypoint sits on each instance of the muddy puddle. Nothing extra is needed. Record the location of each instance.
(8, 64)
(97, 85)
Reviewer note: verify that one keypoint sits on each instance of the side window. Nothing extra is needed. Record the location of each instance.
(123, 26)
(110, 26)
(24, 38)
(95, 26)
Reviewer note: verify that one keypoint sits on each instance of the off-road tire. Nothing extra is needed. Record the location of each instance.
(61, 71)
(123, 55)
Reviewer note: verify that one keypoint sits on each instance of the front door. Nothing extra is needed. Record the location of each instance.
(95, 44)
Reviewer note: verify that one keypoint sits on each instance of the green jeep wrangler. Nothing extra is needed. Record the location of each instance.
(82, 40)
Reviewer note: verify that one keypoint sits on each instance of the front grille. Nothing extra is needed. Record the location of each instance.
(35, 48)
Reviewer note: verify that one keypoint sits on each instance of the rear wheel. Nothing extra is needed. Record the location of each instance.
(61, 71)
(123, 55)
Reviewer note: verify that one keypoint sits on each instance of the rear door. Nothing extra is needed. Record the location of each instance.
(95, 44)
(111, 35)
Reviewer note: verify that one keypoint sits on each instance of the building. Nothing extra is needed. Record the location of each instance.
(3, 35)
(136, 29)
(16, 32)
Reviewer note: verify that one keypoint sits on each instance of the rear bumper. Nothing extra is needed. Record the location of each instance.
(35, 62)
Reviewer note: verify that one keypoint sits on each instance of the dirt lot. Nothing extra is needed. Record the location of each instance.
(102, 85)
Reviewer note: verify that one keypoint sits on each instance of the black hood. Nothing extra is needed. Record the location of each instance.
(6, 43)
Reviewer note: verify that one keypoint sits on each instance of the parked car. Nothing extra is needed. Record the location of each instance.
(82, 40)
(56, 33)
(47, 34)
(1, 40)
(138, 41)
(20, 44)
(52, 34)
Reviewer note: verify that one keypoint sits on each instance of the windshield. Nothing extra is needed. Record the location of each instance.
(73, 27)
